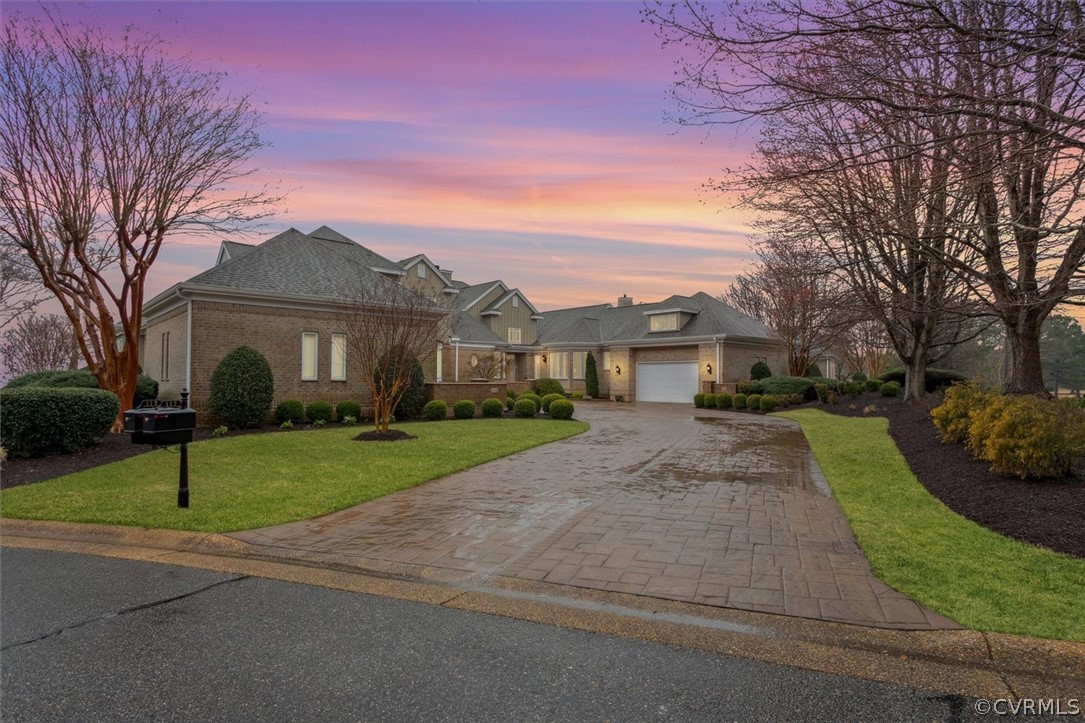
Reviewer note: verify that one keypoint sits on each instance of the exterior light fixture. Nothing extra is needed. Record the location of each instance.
(617, 370)
(710, 369)
(544, 358)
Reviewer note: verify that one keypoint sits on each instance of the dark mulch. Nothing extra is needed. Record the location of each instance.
(392, 435)
(1047, 513)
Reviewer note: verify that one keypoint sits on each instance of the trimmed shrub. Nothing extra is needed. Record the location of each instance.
(349, 420)
(242, 388)
(146, 388)
(852, 388)
(319, 412)
(890, 389)
(591, 377)
(953, 417)
(577, 395)
(813, 371)
(544, 403)
(286, 425)
(546, 385)
(788, 385)
(753, 402)
(859, 377)
(1029, 436)
(710, 400)
(220, 431)
(933, 380)
(38, 420)
(698, 400)
(290, 410)
(822, 391)
(510, 393)
(768, 404)
(525, 407)
(760, 370)
(739, 401)
(723, 401)
(561, 409)
(752, 387)
(492, 408)
(463, 409)
(832, 384)
(435, 411)
(873, 385)
(534, 398)
(348, 408)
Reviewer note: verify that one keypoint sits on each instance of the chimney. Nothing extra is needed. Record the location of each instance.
(624, 300)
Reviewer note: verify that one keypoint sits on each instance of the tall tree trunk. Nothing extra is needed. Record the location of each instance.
(1026, 371)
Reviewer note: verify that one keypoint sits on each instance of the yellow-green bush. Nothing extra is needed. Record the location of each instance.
(953, 417)
(1029, 436)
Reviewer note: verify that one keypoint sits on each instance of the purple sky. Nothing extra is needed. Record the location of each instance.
(520, 141)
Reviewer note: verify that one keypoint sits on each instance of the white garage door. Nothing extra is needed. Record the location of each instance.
(666, 382)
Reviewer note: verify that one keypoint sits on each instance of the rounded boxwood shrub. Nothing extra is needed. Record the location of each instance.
(348, 408)
(544, 403)
(753, 402)
(463, 409)
(535, 399)
(546, 385)
(760, 370)
(953, 417)
(822, 391)
(890, 389)
(436, 410)
(768, 404)
(290, 410)
(1029, 437)
(698, 400)
(525, 407)
(739, 401)
(859, 377)
(319, 412)
(710, 400)
(873, 385)
(933, 379)
(492, 408)
(723, 401)
(242, 388)
(38, 420)
(561, 409)
(146, 388)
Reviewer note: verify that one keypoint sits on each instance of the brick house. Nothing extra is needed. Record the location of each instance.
(288, 297)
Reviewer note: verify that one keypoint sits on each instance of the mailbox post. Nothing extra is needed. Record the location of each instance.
(161, 424)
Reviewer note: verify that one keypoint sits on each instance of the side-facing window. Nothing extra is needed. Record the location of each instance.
(514, 335)
(516, 302)
(559, 365)
(339, 357)
(538, 366)
(579, 362)
(308, 356)
(606, 361)
(421, 270)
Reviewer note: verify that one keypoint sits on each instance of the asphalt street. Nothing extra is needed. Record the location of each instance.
(88, 638)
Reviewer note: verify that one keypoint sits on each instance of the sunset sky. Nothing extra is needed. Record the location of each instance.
(520, 141)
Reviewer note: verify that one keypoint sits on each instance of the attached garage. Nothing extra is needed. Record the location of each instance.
(666, 381)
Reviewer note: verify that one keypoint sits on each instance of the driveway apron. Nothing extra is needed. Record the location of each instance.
(702, 506)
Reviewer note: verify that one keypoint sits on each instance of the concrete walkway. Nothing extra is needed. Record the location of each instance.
(699, 506)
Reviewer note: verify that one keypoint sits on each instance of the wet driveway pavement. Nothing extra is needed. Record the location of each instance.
(700, 506)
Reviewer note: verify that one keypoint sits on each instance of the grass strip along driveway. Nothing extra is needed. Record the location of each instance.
(941, 560)
(243, 482)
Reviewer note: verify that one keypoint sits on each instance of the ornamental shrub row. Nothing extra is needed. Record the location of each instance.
(146, 388)
(39, 420)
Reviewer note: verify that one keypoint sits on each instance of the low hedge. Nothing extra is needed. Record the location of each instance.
(723, 400)
(739, 401)
(290, 410)
(710, 400)
(319, 412)
(890, 389)
(435, 411)
(544, 404)
(39, 420)
(787, 385)
(561, 409)
(753, 402)
(768, 404)
(933, 380)
(146, 388)
(492, 408)
(463, 409)
(751, 387)
(348, 408)
(698, 400)
(546, 385)
(525, 407)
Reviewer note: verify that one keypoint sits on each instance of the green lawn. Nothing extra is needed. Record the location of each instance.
(914, 543)
(243, 482)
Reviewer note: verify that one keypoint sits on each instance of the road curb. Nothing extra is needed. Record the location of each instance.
(956, 662)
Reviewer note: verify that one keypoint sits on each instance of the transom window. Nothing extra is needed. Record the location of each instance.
(664, 322)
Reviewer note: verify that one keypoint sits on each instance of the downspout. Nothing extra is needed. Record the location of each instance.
(188, 348)
(719, 371)
(456, 373)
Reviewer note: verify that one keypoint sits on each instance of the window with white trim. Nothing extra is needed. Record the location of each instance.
(580, 360)
(308, 356)
(421, 270)
(516, 302)
(339, 358)
(514, 335)
(538, 366)
(664, 322)
(164, 370)
(559, 365)
(606, 361)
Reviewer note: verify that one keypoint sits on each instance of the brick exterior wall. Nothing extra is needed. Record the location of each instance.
(170, 376)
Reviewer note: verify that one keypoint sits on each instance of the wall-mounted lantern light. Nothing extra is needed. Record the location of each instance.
(710, 370)
(544, 358)
(617, 370)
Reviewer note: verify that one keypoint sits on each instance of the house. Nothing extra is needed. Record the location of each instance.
(289, 298)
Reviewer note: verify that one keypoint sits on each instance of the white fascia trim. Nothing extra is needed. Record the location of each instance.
(491, 312)
(381, 270)
(281, 301)
(536, 317)
(516, 292)
(451, 290)
(485, 293)
(429, 264)
(675, 310)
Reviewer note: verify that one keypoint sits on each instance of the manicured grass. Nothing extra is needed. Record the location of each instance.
(941, 560)
(239, 483)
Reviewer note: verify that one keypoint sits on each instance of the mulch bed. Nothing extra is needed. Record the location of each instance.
(392, 435)
(1048, 513)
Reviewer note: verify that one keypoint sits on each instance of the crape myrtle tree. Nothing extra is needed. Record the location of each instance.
(934, 147)
(107, 146)
(39, 343)
(20, 286)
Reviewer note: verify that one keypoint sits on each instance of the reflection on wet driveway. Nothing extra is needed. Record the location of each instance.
(721, 508)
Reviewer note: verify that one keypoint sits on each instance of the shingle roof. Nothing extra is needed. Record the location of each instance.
(610, 324)
(470, 294)
(371, 258)
(236, 248)
(298, 264)
(469, 329)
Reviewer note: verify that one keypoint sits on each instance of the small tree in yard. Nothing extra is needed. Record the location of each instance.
(591, 377)
(242, 388)
(40, 343)
(389, 328)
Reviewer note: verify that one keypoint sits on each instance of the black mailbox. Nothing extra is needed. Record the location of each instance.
(160, 424)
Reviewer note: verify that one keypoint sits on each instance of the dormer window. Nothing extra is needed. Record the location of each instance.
(516, 302)
(664, 322)
(421, 271)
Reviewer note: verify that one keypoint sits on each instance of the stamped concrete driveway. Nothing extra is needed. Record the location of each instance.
(701, 506)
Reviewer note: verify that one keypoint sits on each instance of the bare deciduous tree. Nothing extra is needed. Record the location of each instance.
(388, 328)
(40, 343)
(20, 286)
(107, 146)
